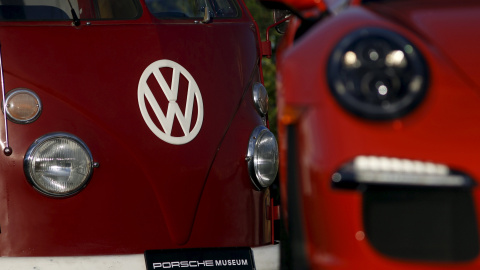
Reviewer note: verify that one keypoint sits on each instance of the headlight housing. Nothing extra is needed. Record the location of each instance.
(262, 157)
(377, 74)
(58, 164)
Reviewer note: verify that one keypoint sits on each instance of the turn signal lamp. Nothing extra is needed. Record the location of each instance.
(23, 106)
(260, 98)
(291, 114)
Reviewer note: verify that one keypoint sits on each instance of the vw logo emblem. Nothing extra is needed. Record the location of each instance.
(173, 111)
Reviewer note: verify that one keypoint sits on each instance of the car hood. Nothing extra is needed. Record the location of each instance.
(447, 25)
(146, 191)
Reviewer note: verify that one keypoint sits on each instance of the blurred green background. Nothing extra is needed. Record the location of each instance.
(264, 18)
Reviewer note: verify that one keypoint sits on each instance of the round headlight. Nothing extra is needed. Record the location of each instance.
(262, 157)
(23, 106)
(58, 164)
(377, 74)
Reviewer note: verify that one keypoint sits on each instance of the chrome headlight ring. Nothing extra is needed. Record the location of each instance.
(262, 157)
(58, 164)
(377, 74)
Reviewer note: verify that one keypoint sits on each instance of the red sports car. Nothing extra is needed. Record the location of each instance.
(379, 142)
(134, 136)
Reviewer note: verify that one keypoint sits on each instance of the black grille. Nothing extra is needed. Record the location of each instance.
(431, 224)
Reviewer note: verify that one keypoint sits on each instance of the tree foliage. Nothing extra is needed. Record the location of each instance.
(264, 18)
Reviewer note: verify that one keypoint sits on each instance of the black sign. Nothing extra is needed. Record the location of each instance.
(205, 258)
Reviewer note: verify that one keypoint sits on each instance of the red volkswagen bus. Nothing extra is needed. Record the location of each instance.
(134, 135)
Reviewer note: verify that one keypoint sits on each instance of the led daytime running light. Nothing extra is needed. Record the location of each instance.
(396, 165)
(373, 170)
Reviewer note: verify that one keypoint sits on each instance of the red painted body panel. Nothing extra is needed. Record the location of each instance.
(442, 129)
(146, 193)
(301, 4)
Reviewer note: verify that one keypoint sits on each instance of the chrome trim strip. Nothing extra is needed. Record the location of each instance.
(7, 150)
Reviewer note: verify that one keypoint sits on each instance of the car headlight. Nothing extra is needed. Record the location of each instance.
(377, 74)
(58, 164)
(262, 157)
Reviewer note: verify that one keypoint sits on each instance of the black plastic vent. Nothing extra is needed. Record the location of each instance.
(428, 224)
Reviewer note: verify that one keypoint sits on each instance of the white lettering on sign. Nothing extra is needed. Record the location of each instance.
(195, 264)
(183, 264)
(231, 262)
(173, 110)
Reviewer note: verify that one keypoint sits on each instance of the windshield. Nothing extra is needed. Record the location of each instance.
(33, 10)
(178, 9)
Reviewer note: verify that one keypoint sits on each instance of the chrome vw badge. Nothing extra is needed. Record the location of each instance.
(173, 109)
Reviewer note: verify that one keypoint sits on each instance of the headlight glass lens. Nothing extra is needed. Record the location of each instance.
(23, 106)
(262, 157)
(58, 164)
(377, 74)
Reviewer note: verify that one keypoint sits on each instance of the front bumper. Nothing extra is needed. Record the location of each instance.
(266, 258)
